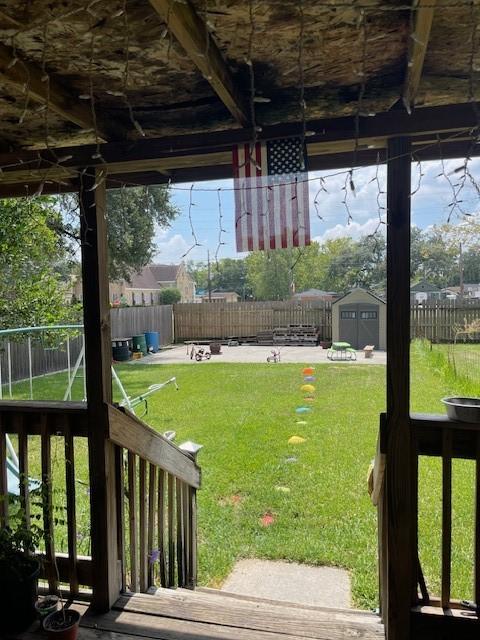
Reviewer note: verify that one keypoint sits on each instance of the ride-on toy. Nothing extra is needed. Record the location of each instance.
(275, 357)
(200, 354)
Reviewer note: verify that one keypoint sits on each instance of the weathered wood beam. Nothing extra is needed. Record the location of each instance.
(101, 452)
(401, 539)
(424, 11)
(327, 131)
(189, 29)
(27, 78)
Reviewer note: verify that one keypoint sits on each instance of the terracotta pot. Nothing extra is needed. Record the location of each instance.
(58, 628)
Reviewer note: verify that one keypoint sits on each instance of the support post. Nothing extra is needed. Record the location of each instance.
(401, 516)
(107, 579)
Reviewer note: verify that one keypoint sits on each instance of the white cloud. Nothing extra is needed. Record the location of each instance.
(172, 250)
(353, 230)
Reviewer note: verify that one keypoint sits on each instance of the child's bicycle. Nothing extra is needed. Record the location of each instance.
(275, 357)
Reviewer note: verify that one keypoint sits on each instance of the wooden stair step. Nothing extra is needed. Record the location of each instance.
(327, 624)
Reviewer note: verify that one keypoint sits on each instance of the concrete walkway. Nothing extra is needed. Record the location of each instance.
(257, 353)
(290, 582)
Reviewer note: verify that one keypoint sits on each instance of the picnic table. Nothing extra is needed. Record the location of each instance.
(341, 351)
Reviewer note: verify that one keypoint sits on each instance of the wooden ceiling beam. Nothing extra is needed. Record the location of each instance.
(422, 24)
(191, 32)
(25, 76)
(7, 22)
(331, 135)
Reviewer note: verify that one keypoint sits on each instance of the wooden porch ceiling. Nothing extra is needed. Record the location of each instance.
(155, 89)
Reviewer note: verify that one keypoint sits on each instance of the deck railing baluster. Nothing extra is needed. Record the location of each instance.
(161, 528)
(71, 508)
(132, 517)
(446, 515)
(23, 469)
(152, 500)
(142, 479)
(171, 530)
(120, 505)
(180, 534)
(47, 504)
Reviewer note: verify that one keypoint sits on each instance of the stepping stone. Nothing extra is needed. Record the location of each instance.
(290, 582)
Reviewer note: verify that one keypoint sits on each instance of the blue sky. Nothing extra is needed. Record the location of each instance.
(429, 206)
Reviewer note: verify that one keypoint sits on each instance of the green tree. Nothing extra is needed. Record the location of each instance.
(32, 289)
(268, 274)
(132, 215)
(169, 296)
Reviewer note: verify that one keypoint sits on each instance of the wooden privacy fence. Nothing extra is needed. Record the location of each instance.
(131, 321)
(244, 319)
(435, 321)
(438, 321)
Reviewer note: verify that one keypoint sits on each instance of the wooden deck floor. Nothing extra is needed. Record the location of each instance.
(201, 615)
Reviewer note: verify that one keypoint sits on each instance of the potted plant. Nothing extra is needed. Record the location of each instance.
(19, 571)
(62, 624)
(45, 606)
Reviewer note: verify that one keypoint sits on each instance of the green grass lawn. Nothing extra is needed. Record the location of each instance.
(244, 415)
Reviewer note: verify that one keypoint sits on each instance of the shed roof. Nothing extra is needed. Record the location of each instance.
(356, 290)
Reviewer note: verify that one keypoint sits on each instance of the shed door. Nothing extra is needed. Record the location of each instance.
(368, 325)
(359, 324)
(348, 320)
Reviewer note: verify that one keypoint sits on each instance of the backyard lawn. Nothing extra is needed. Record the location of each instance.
(315, 491)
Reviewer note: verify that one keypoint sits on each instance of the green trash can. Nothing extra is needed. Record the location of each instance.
(140, 344)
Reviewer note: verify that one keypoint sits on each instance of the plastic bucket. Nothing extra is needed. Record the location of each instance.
(120, 350)
(140, 344)
(152, 339)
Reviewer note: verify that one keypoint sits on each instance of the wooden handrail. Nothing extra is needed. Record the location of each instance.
(129, 432)
(61, 416)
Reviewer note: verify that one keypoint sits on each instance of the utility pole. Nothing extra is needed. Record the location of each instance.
(209, 277)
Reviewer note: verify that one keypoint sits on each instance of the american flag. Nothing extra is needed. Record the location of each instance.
(271, 195)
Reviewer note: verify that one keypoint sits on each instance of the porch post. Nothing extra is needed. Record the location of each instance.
(106, 573)
(400, 514)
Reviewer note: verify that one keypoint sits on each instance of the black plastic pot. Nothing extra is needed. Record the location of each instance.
(18, 593)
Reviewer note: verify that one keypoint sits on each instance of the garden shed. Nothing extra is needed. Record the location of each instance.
(359, 317)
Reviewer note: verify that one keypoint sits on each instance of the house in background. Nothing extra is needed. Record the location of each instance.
(145, 286)
(220, 296)
(314, 295)
(470, 292)
(424, 291)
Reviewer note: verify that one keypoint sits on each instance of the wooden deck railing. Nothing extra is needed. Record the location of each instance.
(157, 529)
(447, 439)
(156, 487)
(438, 436)
(47, 420)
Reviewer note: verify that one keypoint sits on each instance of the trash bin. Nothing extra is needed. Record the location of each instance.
(152, 339)
(140, 344)
(120, 350)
